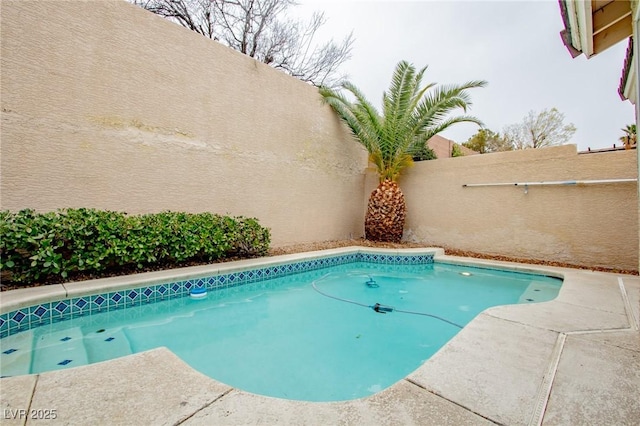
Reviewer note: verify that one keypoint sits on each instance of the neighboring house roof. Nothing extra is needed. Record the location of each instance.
(442, 147)
(627, 87)
(611, 149)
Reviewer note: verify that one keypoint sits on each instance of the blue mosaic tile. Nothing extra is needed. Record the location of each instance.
(40, 311)
(147, 292)
(81, 303)
(65, 362)
(116, 297)
(39, 315)
(61, 307)
(162, 289)
(19, 317)
(99, 302)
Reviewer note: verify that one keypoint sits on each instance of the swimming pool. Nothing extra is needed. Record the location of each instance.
(311, 335)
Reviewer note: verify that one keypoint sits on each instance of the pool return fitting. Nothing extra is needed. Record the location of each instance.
(380, 308)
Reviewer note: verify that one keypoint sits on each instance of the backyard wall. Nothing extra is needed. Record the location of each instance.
(106, 105)
(593, 225)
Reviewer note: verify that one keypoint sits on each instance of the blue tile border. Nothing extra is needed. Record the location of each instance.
(46, 313)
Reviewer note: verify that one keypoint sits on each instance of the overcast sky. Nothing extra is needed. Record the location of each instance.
(514, 45)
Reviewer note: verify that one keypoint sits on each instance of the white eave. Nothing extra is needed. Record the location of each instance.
(596, 25)
(580, 19)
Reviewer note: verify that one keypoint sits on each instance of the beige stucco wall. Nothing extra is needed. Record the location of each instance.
(593, 225)
(106, 105)
(123, 110)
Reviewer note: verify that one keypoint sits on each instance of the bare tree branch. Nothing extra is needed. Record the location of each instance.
(539, 130)
(260, 29)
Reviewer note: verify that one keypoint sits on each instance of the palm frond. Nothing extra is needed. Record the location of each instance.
(349, 114)
(427, 134)
(411, 114)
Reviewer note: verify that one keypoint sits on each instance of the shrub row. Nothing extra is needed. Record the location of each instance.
(36, 247)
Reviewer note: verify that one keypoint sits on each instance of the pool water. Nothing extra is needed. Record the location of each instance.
(309, 336)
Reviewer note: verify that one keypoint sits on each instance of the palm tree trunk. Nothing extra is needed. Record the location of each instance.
(386, 213)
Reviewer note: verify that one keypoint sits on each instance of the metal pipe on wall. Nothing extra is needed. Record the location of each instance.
(558, 182)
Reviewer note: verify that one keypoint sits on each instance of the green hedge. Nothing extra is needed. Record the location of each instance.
(36, 247)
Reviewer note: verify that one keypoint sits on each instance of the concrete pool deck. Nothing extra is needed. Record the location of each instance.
(573, 360)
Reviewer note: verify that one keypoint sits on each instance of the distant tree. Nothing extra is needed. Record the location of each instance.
(485, 141)
(424, 153)
(260, 29)
(539, 130)
(456, 151)
(629, 139)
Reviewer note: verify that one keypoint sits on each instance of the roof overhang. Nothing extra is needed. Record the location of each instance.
(629, 80)
(593, 26)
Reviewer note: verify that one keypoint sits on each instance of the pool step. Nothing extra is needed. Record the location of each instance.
(105, 345)
(539, 291)
(58, 350)
(15, 354)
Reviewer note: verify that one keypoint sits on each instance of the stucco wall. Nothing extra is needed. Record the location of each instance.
(106, 105)
(593, 225)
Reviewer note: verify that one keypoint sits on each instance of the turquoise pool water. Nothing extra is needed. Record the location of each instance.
(309, 336)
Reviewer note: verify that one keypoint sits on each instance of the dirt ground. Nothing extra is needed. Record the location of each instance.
(299, 248)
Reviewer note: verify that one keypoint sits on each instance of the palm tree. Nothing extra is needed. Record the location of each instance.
(411, 115)
(629, 137)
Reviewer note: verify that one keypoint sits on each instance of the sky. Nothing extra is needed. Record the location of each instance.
(514, 45)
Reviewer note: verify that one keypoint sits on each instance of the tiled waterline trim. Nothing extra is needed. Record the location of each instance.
(46, 313)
